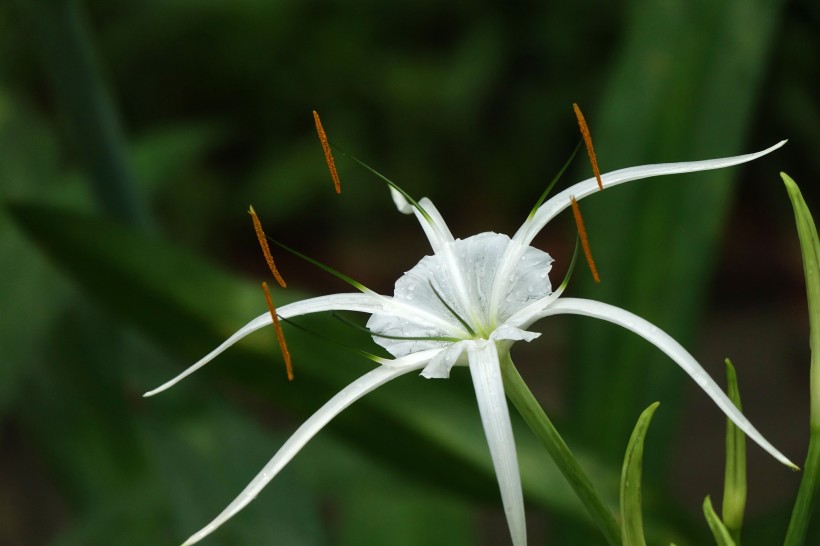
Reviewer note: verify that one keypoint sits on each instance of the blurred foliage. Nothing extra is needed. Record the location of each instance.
(208, 107)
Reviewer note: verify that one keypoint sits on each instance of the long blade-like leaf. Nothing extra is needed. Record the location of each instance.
(810, 247)
(719, 530)
(631, 517)
(734, 482)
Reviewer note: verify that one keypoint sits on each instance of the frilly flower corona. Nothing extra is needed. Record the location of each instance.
(466, 304)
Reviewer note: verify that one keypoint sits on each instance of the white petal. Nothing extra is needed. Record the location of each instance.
(674, 350)
(559, 202)
(303, 434)
(492, 404)
(366, 303)
(438, 220)
(440, 365)
(434, 226)
(401, 203)
(546, 212)
(463, 275)
(505, 332)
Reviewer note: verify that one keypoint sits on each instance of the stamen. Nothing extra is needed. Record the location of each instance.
(582, 124)
(280, 335)
(263, 242)
(582, 233)
(328, 155)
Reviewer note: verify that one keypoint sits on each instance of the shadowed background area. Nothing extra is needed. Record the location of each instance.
(134, 135)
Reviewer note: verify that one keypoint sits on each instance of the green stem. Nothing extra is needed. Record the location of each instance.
(801, 514)
(529, 408)
(92, 124)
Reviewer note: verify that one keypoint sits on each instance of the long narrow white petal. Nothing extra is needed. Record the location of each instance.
(492, 404)
(674, 350)
(559, 202)
(366, 303)
(434, 226)
(402, 204)
(532, 312)
(303, 434)
(437, 232)
(546, 212)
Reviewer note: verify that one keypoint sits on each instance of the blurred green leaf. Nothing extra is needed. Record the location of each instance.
(193, 452)
(407, 517)
(631, 505)
(734, 483)
(810, 247)
(32, 292)
(722, 535)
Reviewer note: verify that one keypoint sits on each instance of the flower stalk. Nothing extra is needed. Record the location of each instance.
(522, 398)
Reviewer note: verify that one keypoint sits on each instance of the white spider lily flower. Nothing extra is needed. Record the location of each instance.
(466, 304)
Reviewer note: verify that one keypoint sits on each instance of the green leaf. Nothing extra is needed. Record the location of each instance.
(719, 531)
(631, 518)
(734, 484)
(810, 247)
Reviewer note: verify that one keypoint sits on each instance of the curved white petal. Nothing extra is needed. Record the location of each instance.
(438, 220)
(495, 416)
(506, 332)
(303, 434)
(366, 303)
(400, 201)
(434, 226)
(674, 350)
(546, 212)
(559, 202)
(440, 365)
(524, 317)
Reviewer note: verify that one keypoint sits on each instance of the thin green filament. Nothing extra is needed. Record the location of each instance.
(451, 310)
(555, 180)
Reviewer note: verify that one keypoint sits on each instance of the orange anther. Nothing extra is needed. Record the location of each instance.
(280, 335)
(582, 124)
(582, 233)
(328, 156)
(263, 242)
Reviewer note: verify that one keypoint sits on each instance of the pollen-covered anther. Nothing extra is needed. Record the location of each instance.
(582, 124)
(280, 335)
(331, 164)
(582, 233)
(263, 242)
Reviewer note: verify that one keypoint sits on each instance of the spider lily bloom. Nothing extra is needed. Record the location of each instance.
(466, 304)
